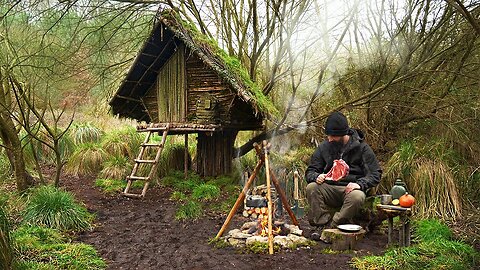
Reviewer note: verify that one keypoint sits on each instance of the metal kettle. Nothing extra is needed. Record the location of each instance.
(398, 189)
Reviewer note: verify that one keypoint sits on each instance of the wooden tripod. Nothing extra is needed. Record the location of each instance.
(263, 160)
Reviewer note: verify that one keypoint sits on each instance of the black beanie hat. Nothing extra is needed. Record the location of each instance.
(336, 124)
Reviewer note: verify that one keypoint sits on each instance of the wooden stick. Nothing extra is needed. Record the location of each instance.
(185, 158)
(285, 203)
(280, 192)
(269, 200)
(240, 198)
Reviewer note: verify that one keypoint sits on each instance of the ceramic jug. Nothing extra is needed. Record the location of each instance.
(398, 189)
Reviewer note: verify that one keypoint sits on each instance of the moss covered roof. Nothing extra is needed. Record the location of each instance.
(228, 67)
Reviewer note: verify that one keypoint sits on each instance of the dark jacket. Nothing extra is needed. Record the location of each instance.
(364, 167)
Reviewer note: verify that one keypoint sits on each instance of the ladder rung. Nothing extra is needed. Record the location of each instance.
(132, 195)
(145, 161)
(137, 178)
(152, 144)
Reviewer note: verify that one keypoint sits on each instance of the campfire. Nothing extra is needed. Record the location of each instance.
(261, 207)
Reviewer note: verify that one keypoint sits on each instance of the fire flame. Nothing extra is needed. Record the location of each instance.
(263, 227)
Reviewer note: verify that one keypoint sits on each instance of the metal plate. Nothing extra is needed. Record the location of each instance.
(349, 227)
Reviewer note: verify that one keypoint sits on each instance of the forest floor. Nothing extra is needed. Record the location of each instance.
(143, 234)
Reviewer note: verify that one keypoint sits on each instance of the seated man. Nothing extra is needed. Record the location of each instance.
(348, 193)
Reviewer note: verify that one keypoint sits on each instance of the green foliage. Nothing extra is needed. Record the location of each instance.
(432, 229)
(6, 253)
(222, 181)
(45, 248)
(176, 179)
(172, 158)
(434, 251)
(5, 171)
(205, 192)
(110, 186)
(189, 211)
(48, 206)
(85, 133)
(430, 171)
(87, 159)
(123, 142)
(260, 248)
(218, 243)
(116, 167)
(178, 196)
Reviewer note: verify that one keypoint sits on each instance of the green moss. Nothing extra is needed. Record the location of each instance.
(218, 242)
(44, 248)
(260, 248)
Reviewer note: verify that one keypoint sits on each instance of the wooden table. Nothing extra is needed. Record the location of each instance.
(404, 214)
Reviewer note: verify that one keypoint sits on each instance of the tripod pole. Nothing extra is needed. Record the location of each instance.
(269, 199)
(240, 198)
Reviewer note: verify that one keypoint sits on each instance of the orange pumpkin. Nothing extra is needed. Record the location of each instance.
(407, 200)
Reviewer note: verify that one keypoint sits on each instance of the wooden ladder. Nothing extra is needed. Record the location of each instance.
(140, 159)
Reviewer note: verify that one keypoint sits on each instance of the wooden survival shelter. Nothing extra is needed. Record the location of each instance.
(180, 80)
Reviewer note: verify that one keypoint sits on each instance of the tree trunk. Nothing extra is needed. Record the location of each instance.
(14, 150)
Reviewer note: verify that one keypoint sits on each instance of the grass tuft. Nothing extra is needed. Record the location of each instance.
(430, 173)
(205, 192)
(87, 159)
(6, 252)
(46, 248)
(189, 211)
(53, 208)
(434, 251)
(116, 167)
(85, 133)
(178, 196)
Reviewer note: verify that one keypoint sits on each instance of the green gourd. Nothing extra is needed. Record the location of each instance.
(398, 189)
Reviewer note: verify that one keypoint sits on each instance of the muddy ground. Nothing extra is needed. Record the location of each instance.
(143, 234)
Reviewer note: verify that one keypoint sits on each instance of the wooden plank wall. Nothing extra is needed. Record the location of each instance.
(215, 152)
(202, 79)
(171, 88)
(151, 103)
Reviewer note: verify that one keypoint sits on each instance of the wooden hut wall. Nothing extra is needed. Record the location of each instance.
(150, 102)
(215, 152)
(171, 88)
(202, 80)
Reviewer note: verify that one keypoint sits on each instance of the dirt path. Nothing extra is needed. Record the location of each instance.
(143, 234)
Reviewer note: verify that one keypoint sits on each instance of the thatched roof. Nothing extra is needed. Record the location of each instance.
(161, 44)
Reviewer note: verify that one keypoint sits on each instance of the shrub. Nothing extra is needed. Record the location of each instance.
(87, 159)
(178, 196)
(205, 192)
(85, 133)
(6, 253)
(46, 248)
(188, 211)
(123, 142)
(57, 209)
(430, 174)
(116, 167)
